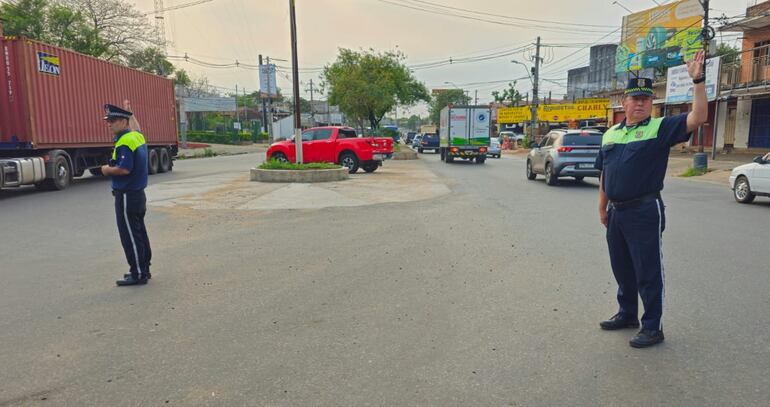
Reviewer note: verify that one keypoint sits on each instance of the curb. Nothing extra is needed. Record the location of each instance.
(300, 176)
(405, 155)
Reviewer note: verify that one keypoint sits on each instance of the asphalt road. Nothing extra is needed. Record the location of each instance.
(490, 296)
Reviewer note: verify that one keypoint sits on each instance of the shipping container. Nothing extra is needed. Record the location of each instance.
(52, 104)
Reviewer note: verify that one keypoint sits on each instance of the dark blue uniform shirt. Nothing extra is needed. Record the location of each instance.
(632, 170)
(133, 161)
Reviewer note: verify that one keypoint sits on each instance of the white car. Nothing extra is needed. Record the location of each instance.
(751, 180)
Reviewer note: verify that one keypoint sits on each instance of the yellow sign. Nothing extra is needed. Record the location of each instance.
(511, 115)
(580, 110)
(660, 37)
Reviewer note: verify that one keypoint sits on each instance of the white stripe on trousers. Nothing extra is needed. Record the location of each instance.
(662, 272)
(131, 234)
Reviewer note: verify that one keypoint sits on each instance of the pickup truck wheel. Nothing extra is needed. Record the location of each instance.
(742, 191)
(481, 159)
(579, 178)
(62, 175)
(279, 157)
(349, 161)
(371, 168)
(550, 178)
(152, 161)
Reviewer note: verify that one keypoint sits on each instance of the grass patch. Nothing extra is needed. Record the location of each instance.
(279, 165)
(396, 147)
(206, 153)
(695, 172)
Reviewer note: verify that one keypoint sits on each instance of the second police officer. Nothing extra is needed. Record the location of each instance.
(633, 162)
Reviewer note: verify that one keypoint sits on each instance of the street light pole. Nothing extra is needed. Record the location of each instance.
(295, 78)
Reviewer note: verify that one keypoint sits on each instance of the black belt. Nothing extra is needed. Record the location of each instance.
(632, 203)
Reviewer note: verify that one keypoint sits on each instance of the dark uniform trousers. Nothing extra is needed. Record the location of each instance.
(634, 237)
(130, 208)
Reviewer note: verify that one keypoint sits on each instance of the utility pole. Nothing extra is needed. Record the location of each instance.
(476, 99)
(312, 108)
(533, 107)
(269, 99)
(264, 104)
(700, 160)
(237, 113)
(295, 77)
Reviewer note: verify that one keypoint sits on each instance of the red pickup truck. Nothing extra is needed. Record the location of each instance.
(339, 145)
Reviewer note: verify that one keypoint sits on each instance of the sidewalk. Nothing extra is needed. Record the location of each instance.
(222, 149)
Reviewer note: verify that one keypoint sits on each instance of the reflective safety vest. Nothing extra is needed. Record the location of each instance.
(132, 140)
(626, 135)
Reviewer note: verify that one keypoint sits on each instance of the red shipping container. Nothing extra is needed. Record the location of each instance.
(52, 97)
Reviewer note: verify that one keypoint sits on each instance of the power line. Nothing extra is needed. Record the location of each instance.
(177, 7)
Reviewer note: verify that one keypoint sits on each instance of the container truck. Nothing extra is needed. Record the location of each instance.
(464, 132)
(51, 109)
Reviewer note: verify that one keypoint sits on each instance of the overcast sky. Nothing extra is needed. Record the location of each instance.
(221, 31)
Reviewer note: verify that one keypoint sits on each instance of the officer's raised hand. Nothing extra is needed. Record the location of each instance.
(699, 113)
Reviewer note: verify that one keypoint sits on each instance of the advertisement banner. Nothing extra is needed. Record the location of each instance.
(580, 110)
(660, 37)
(267, 80)
(679, 85)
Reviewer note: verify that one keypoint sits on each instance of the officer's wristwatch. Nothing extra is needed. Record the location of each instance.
(699, 80)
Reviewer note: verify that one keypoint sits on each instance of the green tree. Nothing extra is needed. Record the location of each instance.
(150, 60)
(447, 97)
(181, 78)
(367, 85)
(728, 52)
(109, 29)
(414, 122)
(304, 105)
(510, 95)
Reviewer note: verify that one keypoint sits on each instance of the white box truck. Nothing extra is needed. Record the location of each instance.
(464, 132)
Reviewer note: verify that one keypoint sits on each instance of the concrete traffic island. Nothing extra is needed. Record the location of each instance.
(405, 154)
(299, 176)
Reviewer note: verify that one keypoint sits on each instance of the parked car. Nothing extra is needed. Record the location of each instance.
(339, 145)
(600, 129)
(429, 141)
(518, 137)
(494, 148)
(751, 180)
(416, 140)
(410, 137)
(565, 153)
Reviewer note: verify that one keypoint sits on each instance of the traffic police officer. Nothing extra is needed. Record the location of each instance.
(633, 161)
(128, 169)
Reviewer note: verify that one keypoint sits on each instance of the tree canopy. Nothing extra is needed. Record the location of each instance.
(366, 85)
(447, 97)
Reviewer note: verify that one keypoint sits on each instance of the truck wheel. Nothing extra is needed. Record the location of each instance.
(530, 174)
(370, 168)
(449, 158)
(349, 161)
(165, 161)
(152, 161)
(481, 159)
(550, 178)
(96, 172)
(61, 175)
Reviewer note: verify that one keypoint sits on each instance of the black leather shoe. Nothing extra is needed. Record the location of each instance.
(130, 280)
(619, 322)
(127, 275)
(646, 337)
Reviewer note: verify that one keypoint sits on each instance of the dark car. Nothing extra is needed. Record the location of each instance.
(410, 137)
(565, 153)
(429, 141)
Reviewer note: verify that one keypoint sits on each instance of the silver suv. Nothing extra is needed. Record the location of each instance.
(565, 153)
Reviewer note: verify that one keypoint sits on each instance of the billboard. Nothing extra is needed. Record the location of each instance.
(581, 109)
(679, 87)
(660, 37)
(267, 79)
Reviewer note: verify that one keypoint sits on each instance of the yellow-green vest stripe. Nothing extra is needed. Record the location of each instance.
(616, 135)
(132, 140)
